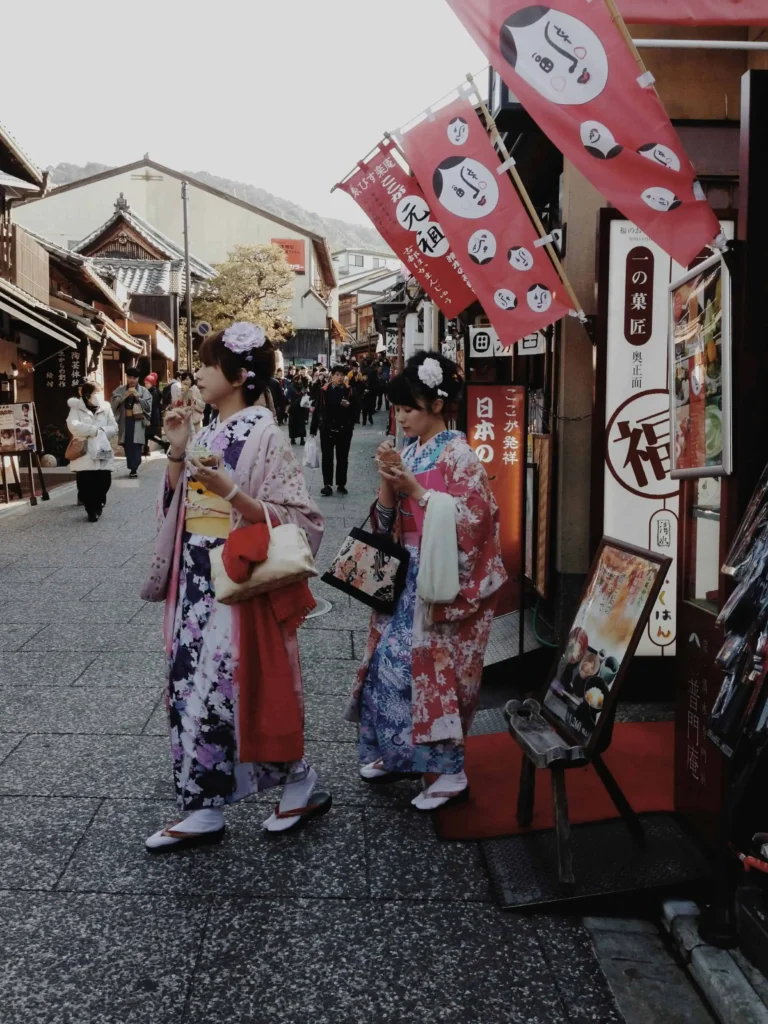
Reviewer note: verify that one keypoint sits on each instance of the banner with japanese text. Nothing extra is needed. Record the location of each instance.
(694, 12)
(640, 499)
(572, 70)
(486, 223)
(396, 206)
(496, 432)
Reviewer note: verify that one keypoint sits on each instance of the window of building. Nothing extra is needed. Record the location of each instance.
(378, 263)
(357, 261)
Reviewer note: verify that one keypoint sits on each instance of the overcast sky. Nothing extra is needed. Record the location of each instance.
(283, 94)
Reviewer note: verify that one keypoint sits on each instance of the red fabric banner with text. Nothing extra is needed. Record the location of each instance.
(486, 223)
(695, 12)
(396, 206)
(573, 72)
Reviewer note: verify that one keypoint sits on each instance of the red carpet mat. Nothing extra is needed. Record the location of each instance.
(641, 759)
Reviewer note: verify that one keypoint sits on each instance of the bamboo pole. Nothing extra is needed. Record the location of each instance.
(620, 24)
(528, 204)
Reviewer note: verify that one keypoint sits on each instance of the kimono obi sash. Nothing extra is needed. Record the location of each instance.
(206, 514)
(411, 513)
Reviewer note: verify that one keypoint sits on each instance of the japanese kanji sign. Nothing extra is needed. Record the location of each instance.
(573, 72)
(395, 203)
(496, 431)
(486, 223)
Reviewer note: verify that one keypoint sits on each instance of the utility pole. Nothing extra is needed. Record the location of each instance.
(188, 283)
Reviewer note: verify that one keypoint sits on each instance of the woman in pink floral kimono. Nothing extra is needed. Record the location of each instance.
(238, 468)
(418, 686)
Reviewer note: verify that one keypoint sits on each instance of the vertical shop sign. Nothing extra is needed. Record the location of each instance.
(396, 206)
(641, 503)
(571, 69)
(485, 221)
(496, 432)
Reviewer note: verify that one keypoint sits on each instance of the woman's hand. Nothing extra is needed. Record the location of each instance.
(177, 427)
(401, 480)
(217, 481)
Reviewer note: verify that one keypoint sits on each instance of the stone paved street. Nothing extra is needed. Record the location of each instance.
(364, 917)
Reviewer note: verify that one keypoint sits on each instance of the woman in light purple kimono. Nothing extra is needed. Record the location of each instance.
(237, 468)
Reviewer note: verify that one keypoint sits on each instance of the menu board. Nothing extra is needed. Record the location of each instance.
(700, 363)
(17, 428)
(622, 587)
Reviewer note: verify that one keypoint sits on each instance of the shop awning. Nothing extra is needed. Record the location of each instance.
(14, 304)
(339, 332)
(120, 337)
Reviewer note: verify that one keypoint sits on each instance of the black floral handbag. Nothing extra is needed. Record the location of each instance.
(372, 568)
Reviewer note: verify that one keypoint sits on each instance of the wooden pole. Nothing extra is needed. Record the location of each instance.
(620, 24)
(527, 202)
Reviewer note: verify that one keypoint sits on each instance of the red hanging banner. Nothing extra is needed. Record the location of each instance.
(396, 206)
(572, 70)
(486, 223)
(695, 12)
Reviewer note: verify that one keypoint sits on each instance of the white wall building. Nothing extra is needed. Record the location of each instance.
(350, 262)
(217, 222)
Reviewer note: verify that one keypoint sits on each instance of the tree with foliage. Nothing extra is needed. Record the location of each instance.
(255, 283)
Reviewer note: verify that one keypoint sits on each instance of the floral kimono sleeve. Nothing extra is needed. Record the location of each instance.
(481, 571)
(284, 489)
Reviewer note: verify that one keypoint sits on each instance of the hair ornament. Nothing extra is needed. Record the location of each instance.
(442, 394)
(431, 373)
(242, 337)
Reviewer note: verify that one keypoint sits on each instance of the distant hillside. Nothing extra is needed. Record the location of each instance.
(340, 233)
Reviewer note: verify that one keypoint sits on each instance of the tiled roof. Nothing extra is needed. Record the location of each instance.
(151, 235)
(19, 158)
(74, 259)
(142, 277)
(10, 181)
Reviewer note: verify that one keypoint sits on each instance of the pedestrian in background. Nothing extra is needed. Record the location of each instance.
(234, 679)
(190, 396)
(156, 417)
(334, 418)
(132, 406)
(91, 420)
(371, 393)
(418, 687)
(298, 408)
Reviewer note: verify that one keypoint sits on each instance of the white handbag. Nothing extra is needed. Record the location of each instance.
(289, 560)
(312, 455)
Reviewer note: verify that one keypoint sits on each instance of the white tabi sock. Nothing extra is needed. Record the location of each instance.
(207, 819)
(295, 795)
(450, 784)
(374, 770)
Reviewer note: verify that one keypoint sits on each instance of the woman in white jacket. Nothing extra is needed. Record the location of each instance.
(91, 419)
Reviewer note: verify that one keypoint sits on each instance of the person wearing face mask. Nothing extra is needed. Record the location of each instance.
(92, 421)
(234, 695)
(418, 686)
(132, 406)
(334, 418)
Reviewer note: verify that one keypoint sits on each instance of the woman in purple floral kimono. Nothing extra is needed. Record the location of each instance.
(238, 467)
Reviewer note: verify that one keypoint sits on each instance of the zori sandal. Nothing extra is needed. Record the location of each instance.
(320, 804)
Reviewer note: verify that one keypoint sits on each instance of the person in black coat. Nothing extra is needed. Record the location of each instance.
(334, 418)
(298, 409)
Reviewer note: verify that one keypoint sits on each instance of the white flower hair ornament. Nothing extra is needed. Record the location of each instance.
(431, 374)
(242, 337)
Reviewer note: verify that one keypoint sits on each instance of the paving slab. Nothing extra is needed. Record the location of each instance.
(8, 742)
(38, 837)
(328, 675)
(13, 636)
(324, 719)
(30, 670)
(324, 860)
(338, 765)
(95, 959)
(110, 636)
(55, 709)
(400, 963)
(407, 862)
(131, 668)
(89, 766)
(325, 643)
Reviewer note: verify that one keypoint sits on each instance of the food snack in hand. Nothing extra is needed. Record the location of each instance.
(389, 459)
(204, 455)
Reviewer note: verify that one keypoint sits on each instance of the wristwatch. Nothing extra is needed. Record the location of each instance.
(424, 499)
